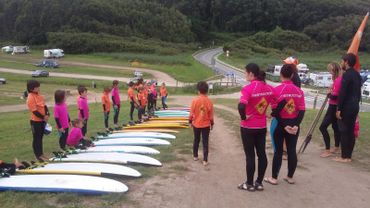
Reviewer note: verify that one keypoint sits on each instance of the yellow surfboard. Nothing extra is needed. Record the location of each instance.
(148, 130)
(157, 126)
(169, 118)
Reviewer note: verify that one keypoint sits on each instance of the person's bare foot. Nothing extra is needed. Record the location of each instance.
(271, 181)
(195, 159)
(334, 150)
(342, 160)
(17, 163)
(205, 163)
(326, 153)
(289, 180)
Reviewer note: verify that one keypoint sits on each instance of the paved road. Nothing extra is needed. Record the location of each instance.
(209, 58)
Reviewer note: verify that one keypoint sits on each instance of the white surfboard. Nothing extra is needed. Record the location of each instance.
(62, 183)
(111, 157)
(155, 135)
(124, 149)
(132, 142)
(97, 169)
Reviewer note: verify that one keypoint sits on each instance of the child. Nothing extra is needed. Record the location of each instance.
(10, 168)
(116, 102)
(39, 117)
(163, 93)
(61, 116)
(76, 137)
(142, 98)
(132, 99)
(83, 107)
(106, 106)
(201, 118)
(154, 92)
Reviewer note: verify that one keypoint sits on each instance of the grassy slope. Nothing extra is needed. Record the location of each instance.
(16, 141)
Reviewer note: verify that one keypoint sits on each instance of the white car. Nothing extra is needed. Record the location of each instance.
(2, 81)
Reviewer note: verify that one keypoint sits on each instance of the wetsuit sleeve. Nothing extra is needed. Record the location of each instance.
(276, 111)
(82, 113)
(47, 110)
(241, 109)
(333, 97)
(58, 123)
(298, 120)
(38, 114)
(343, 91)
(104, 107)
(114, 103)
(69, 119)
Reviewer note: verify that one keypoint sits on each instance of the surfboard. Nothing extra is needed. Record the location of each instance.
(62, 183)
(168, 121)
(148, 130)
(132, 142)
(178, 109)
(156, 126)
(154, 135)
(111, 157)
(124, 149)
(98, 169)
(169, 118)
(171, 111)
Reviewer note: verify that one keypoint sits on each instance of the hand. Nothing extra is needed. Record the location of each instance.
(70, 124)
(338, 115)
(46, 118)
(212, 126)
(115, 107)
(295, 129)
(61, 130)
(290, 130)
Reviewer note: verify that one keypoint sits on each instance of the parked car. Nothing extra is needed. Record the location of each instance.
(2, 81)
(40, 73)
(49, 63)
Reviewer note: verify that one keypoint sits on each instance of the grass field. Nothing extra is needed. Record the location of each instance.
(182, 66)
(16, 139)
(316, 61)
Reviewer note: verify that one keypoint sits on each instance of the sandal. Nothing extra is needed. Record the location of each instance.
(289, 180)
(271, 181)
(258, 186)
(244, 186)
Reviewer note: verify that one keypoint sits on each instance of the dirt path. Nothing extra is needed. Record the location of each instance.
(320, 182)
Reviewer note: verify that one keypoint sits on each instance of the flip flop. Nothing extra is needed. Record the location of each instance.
(268, 180)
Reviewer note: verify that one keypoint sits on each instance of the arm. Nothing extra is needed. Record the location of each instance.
(241, 109)
(211, 113)
(191, 113)
(57, 121)
(343, 90)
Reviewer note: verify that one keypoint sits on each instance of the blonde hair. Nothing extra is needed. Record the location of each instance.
(335, 69)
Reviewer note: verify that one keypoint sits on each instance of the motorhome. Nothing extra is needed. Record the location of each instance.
(20, 50)
(320, 79)
(7, 49)
(53, 53)
(365, 91)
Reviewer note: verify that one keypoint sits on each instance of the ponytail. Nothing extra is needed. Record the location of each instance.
(255, 70)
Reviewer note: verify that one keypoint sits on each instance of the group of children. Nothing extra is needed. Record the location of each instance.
(145, 98)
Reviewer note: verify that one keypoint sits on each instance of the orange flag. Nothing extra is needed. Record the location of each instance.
(353, 48)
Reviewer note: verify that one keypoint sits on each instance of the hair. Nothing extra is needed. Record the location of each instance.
(107, 89)
(350, 58)
(202, 87)
(287, 71)
(81, 89)
(255, 70)
(32, 84)
(115, 82)
(131, 83)
(163, 84)
(59, 96)
(140, 81)
(75, 122)
(335, 69)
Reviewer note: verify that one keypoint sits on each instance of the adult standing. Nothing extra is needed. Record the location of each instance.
(348, 106)
(254, 100)
(289, 119)
(39, 117)
(330, 116)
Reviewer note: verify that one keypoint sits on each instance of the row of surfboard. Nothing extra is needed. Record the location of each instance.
(79, 171)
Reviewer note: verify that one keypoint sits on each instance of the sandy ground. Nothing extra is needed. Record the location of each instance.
(320, 182)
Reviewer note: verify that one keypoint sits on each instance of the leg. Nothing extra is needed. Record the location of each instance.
(248, 139)
(260, 144)
(196, 141)
(63, 139)
(84, 129)
(350, 123)
(132, 111)
(274, 124)
(291, 141)
(115, 116)
(106, 119)
(37, 133)
(278, 155)
(335, 127)
(205, 139)
(324, 128)
(163, 103)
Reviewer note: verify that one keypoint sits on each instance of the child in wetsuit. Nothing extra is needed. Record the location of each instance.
(61, 117)
(76, 138)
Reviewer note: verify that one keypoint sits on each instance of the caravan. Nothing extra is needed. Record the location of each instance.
(365, 91)
(7, 49)
(320, 79)
(20, 50)
(53, 53)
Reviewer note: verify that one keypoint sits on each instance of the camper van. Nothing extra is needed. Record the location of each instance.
(320, 79)
(20, 50)
(53, 53)
(302, 70)
(7, 49)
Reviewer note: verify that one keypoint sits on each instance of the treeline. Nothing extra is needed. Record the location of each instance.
(146, 26)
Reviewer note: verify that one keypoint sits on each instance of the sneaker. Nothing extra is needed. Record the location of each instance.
(258, 186)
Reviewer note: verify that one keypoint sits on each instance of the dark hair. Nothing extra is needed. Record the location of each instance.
(107, 89)
(287, 71)
(131, 83)
(32, 84)
(350, 58)
(81, 89)
(256, 71)
(76, 121)
(202, 87)
(140, 81)
(59, 96)
(115, 82)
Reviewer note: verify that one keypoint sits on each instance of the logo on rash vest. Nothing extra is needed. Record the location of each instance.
(202, 110)
(290, 107)
(261, 106)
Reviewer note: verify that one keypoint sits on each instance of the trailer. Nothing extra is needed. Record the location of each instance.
(53, 53)
(20, 50)
(320, 79)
